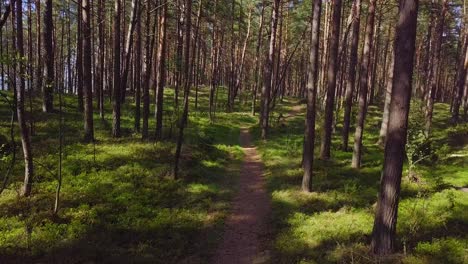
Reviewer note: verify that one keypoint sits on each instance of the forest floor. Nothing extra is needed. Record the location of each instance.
(333, 223)
(120, 205)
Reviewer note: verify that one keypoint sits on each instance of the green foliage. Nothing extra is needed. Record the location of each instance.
(118, 201)
(333, 223)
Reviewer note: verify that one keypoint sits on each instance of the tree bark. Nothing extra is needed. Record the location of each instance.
(388, 96)
(47, 104)
(257, 59)
(331, 80)
(436, 61)
(311, 99)
(350, 81)
(461, 77)
(161, 58)
(365, 63)
(20, 97)
(268, 70)
(187, 71)
(116, 72)
(79, 59)
(383, 235)
(87, 75)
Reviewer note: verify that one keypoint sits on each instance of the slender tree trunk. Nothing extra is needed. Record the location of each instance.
(311, 99)
(268, 70)
(20, 97)
(137, 79)
(438, 33)
(87, 75)
(257, 59)
(116, 72)
(101, 33)
(350, 81)
(147, 72)
(187, 70)
(388, 96)
(134, 16)
(365, 63)
(161, 58)
(47, 104)
(331, 80)
(79, 60)
(180, 43)
(383, 235)
(461, 77)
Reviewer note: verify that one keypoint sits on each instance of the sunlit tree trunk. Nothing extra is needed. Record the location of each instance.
(87, 75)
(364, 73)
(311, 99)
(47, 104)
(161, 58)
(268, 71)
(350, 80)
(383, 235)
(20, 97)
(116, 72)
(331, 79)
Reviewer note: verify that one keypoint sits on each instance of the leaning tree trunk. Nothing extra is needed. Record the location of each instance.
(331, 80)
(350, 81)
(383, 235)
(363, 87)
(311, 99)
(20, 97)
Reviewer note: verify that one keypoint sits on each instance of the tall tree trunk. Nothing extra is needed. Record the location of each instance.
(257, 58)
(311, 99)
(461, 76)
(87, 75)
(331, 80)
(214, 65)
(137, 79)
(147, 71)
(436, 61)
(101, 33)
(350, 81)
(383, 235)
(388, 96)
(134, 16)
(180, 43)
(20, 97)
(161, 58)
(79, 59)
(39, 71)
(365, 63)
(268, 70)
(187, 78)
(116, 72)
(48, 103)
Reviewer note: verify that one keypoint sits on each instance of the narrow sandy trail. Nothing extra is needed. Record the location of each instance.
(246, 226)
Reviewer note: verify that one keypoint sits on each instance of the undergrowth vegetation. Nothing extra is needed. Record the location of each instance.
(118, 200)
(333, 224)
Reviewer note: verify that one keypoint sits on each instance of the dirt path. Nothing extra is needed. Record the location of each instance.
(245, 232)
